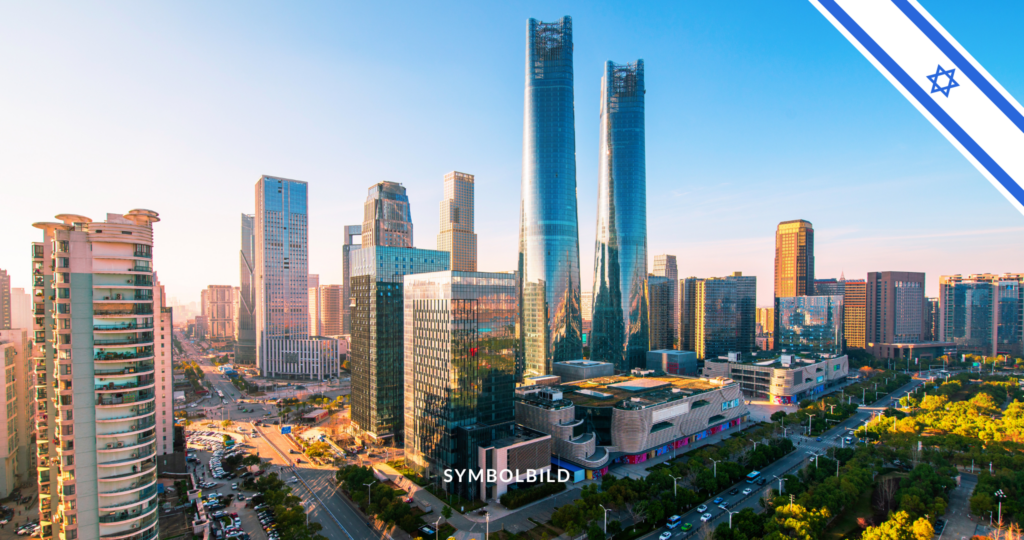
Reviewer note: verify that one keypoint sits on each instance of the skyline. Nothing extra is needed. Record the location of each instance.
(153, 138)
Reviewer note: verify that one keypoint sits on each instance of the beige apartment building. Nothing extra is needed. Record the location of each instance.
(218, 309)
(457, 236)
(794, 259)
(17, 416)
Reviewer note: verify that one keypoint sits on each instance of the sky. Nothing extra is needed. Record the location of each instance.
(757, 113)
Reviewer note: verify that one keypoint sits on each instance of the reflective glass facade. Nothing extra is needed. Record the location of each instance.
(809, 324)
(548, 228)
(983, 313)
(794, 258)
(460, 351)
(620, 331)
(387, 218)
(724, 314)
(245, 346)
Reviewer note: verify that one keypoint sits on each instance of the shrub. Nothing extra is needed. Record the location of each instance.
(521, 497)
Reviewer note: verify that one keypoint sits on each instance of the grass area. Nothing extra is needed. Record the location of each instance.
(846, 525)
(457, 503)
(399, 465)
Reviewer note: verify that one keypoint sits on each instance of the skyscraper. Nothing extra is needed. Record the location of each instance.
(330, 310)
(21, 309)
(98, 442)
(620, 328)
(549, 247)
(855, 309)
(687, 313)
(387, 217)
(794, 258)
(5, 300)
(457, 236)
(351, 231)
(313, 285)
(665, 265)
(723, 315)
(765, 323)
(587, 312)
(245, 339)
(895, 310)
(660, 291)
(18, 417)
(217, 307)
(931, 319)
(809, 324)
(983, 313)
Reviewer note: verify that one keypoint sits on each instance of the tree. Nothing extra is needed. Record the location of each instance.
(446, 512)
(595, 532)
(900, 527)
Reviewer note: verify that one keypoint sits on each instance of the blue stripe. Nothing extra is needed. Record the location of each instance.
(925, 100)
(965, 67)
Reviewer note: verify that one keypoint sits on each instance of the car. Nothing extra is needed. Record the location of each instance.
(724, 505)
(747, 491)
(818, 439)
(234, 486)
(685, 527)
(702, 508)
(717, 500)
(762, 482)
(665, 535)
(237, 523)
(705, 517)
(734, 492)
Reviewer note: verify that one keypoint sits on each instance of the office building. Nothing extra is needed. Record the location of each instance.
(218, 312)
(794, 258)
(5, 300)
(931, 319)
(457, 236)
(387, 217)
(245, 332)
(855, 309)
(351, 232)
(783, 380)
(549, 250)
(21, 309)
(460, 360)
(718, 315)
(17, 416)
(163, 376)
(895, 311)
(626, 419)
(586, 313)
(673, 362)
(313, 290)
(687, 313)
(765, 328)
(331, 312)
(97, 451)
(660, 292)
(809, 324)
(621, 323)
(982, 314)
(577, 370)
(665, 265)
(377, 352)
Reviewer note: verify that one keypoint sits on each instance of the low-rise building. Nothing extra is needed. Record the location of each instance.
(673, 362)
(626, 419)
(785, 379)
(577, 370)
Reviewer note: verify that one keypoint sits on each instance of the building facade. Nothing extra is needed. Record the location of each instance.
(765, 328)
(794, 258)
(218, 312)
(665, 265)
(18, 415)
(351, 232)
(855, 313)
(982, 313)
(460, 360)
(313, 290)
(282, 268)
(719, 315)
(620, 330)
(245, 332)
(931, 319)
(387, 216)
(809, 324)
(660, 291)
(577, 370)
(688, 313)
(457, 236)
(549, 246)
(5, 300)
(21, 309)
(587, 313)
(98, 286)
(895, 310)
(673, 362)
(331, 310)
(785, 380)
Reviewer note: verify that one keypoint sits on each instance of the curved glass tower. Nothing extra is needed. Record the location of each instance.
(549, 245)
(620, 333)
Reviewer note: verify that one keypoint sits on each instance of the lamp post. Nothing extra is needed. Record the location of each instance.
(730, 516)
(605, 518)
(437, 526)
(487, 529)
(716, 466)
(780, 484)
(674, 486)
(369, 495)
(816, 456)
(1000, 495)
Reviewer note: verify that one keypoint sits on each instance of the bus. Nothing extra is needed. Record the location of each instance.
(220, 394)
(753, 476)
(674, 522)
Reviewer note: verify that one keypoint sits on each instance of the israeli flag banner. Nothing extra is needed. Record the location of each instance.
(939, 77)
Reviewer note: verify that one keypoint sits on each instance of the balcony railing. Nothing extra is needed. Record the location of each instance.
(125, 535)
(144, 295)
(111, 387)
(146, 453)
(126, 340)
(145, 352)
(141, 309)
(144, 254)
(131, 397)
(136, 470)
(128, 444)
(137, 368)
(143, 411)
(141, 425)
(141, 497)
(139, 267)
(124, 515)
(122, 326)
(134, 485)
(37, 252)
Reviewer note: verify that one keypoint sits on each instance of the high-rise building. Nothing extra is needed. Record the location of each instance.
(660, 291)
(376, 352)
(21, 309)
(620, 329)
(665, 265)
(829, 287)
(313, 285)
(931, 319)
(218, 312)
(457, 236)
(687, 313)
(855, 309)
(97, 446)
(387, 217)
(331, 310)
(284, 348)
(351, 231)
(809, 324)
(765, 328)
(723, 312)
(982, 313)
(549, 242)
(895, 310)
(794, 258)
(5, 300)
(245, 332)
(587, 312)
(459, 370)
(16, 419)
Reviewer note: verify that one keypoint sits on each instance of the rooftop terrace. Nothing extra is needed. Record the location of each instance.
(641, 391)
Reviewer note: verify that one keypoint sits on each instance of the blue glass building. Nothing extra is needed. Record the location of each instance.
(549, 250)
(620, 331)
(809, 324)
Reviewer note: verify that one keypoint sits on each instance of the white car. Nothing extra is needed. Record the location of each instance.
(747, 491)
(702, 508)
(706, 517)
(665, 536)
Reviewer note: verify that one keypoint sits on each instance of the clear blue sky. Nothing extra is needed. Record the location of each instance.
(757, 112)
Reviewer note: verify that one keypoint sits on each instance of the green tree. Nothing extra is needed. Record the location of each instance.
(446, 512)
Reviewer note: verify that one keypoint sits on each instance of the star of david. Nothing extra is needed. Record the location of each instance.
(936, 87)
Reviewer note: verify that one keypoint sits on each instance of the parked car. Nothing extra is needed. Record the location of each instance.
(705, 517)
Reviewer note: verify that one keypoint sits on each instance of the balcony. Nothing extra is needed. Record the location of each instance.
(107, 356)
(132, 535)
(128, 445)
(126, 340)
(143, 496)
(136, 457)
(137, 470)
(141, 266)
(99, 311)
(144, 254)
(140, 426)
(111, 387)
(121, 326)
(141, 483)
(130, 397)
(129, 515)
(143, 411)
(139, 369)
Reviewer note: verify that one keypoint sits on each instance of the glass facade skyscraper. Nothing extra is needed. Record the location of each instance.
(549, 251)
(620, 331)
(245, 332)
(794, 258)
(387, 217)
(724, 314)
(809, 324)
(982, 313)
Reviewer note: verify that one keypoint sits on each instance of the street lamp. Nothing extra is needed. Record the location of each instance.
(487, 529)
(816, 456)
(730, 516)
(780, 484)
(369, 495)
(1000, 495)
(437, 527)
(605, 518)
(674, 486)
(716, 466)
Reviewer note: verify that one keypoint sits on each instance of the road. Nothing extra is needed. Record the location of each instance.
(786, 465)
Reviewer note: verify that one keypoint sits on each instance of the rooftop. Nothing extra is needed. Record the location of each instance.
(776, 361)
(640, 391)
(522, 435)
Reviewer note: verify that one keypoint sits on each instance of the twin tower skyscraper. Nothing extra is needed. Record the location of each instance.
(551, 318)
